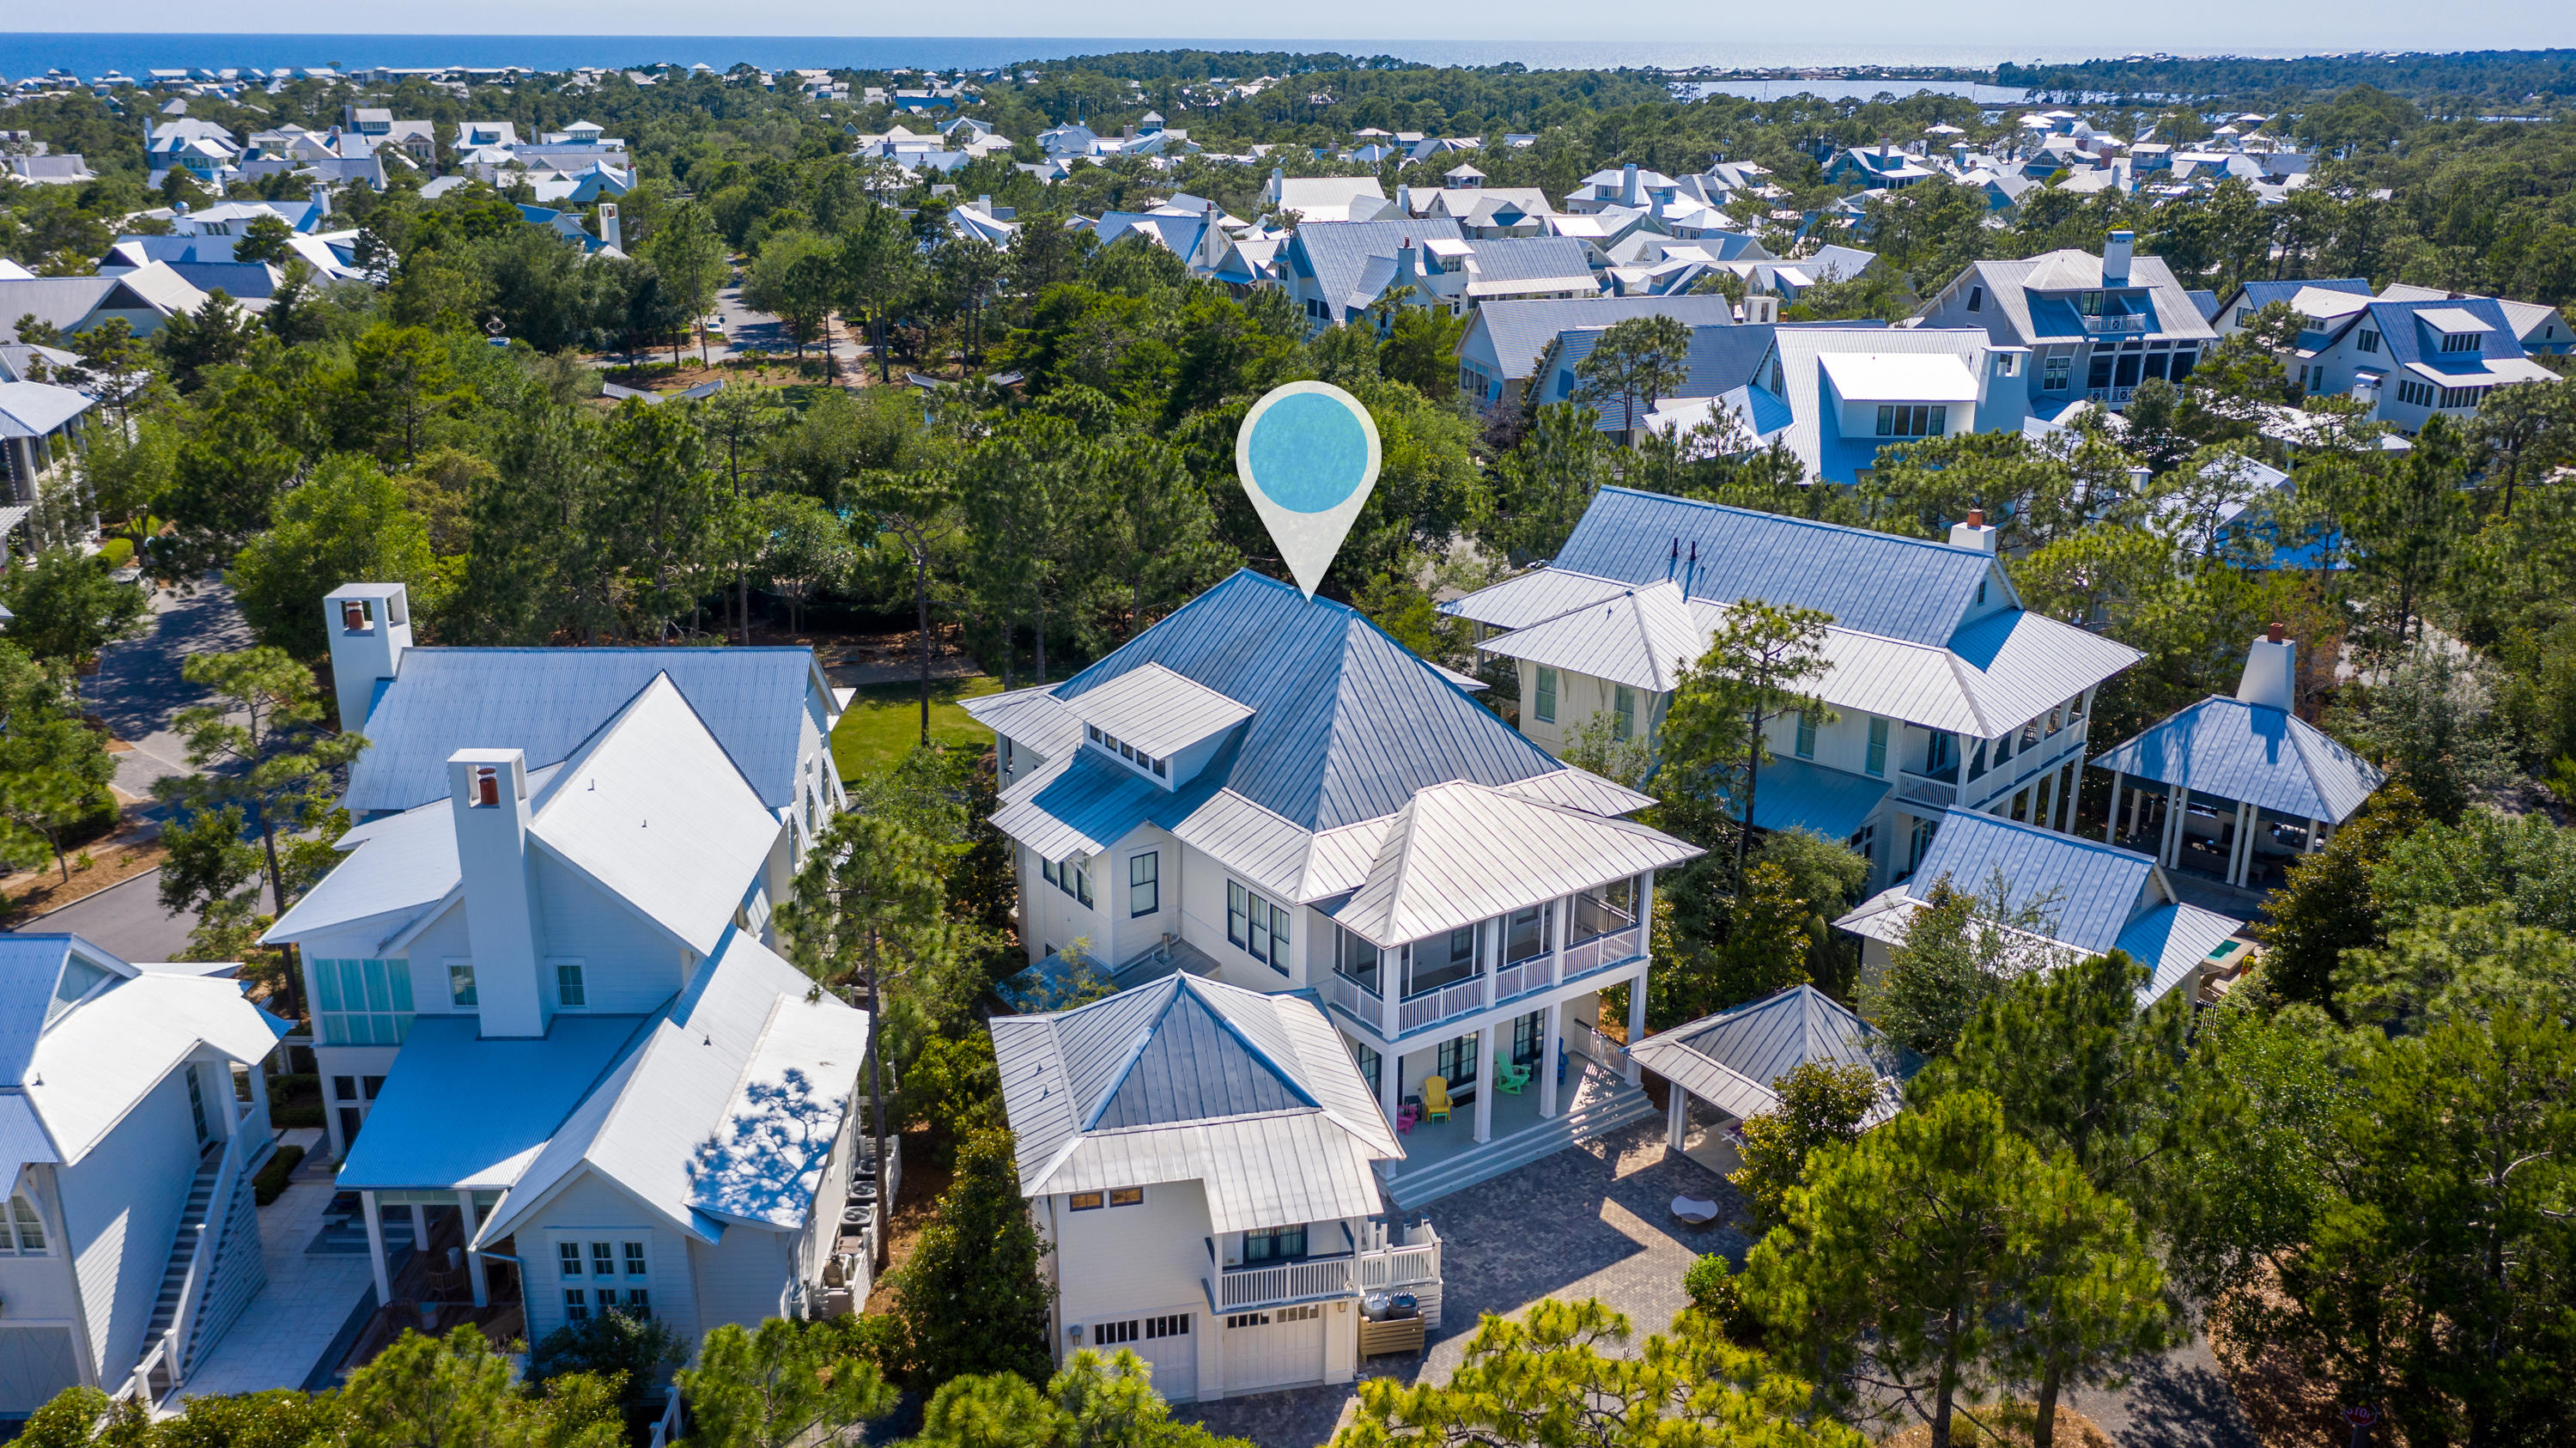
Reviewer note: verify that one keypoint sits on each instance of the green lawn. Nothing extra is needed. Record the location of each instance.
(883, 722)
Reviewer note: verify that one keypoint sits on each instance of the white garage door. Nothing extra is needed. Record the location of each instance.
(1166, 1343)
(1274, 1349)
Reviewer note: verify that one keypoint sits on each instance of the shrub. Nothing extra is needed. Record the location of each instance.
(271, 1181)
(640, 1352)
(295, 1099)
(1718, 1294)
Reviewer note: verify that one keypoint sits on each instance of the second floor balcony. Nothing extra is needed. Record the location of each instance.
(1488, 964)
(1382, 1258)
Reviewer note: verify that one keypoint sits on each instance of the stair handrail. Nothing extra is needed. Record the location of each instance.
(201, 1257)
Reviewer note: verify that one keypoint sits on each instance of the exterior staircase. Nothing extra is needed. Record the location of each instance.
(1607, 1113)
(193, 1224)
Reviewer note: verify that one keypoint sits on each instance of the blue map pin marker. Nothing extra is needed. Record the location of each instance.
(1307, 454)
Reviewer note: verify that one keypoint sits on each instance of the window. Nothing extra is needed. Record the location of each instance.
(2099, 373)
(1976, 299)
(344, 1088)
(1877, 746)
(639, 1303)
(1279, 1244)
(1086, 1201)
(369, 1086)
(635, 1260)
(2053, 374)
(197, 1103)
(2370, 341)
(1113, 1334)
(1177, 1325)
(1256, 927)
(570, 992)
(2460, 342)
(460, 983)
(603, 1259)
(1355, 956)
(1075, 880)
(1913, 420)
(1370, 1064)
(1981, 590)
(1865, 844)
(1806, 735)
(1047, 868)
(1459, 1062)
(1144, 883)
(1545, 708)
(2090, 304)
(1126, 1196)
(576, 1305)
(363, 1002)
(1922, 840)
(29, 1237)
(568, 1255)
(1623, 703)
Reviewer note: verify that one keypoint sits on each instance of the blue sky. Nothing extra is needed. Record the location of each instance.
(1986, 27)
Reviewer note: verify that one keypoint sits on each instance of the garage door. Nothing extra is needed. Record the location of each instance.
(1274, 1349)
(1167, 1345)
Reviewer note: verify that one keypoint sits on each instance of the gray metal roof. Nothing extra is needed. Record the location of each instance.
(2027, 309)
(1902, 588)
(547, 701)
(2088, 889)
(2170, 941)
(1158, 711)
(1347, 724)
(1721, 358)
(1642, 637)
(2250, 752)
(1520, 331)
(1338, 254)
(1186, 1079)
(1753, 1046)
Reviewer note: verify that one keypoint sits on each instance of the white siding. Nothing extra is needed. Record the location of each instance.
(121, 1205)
(1118, 1263)
(628, 966)
(744, 1278)
(1202, 902)
(588, 1210)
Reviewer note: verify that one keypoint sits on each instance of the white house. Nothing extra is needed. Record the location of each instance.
(2414, 356)
(1266, 789)
(2095, 326)
(1946, 693)
(1201, 1160)
(134, 1117)
(548, 1016)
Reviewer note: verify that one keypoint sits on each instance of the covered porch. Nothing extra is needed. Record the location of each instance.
(1726, 1068)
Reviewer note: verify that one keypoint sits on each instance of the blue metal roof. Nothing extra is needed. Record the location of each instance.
(1795, 794)
(1347, 724)
(2088, 888)
(2250, 752)
(2169, 941)
(547, 701)
(458, 1111)
(1900, 588)
(2405, 342)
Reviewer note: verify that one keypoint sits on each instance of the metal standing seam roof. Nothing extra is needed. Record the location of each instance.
(1460, 853)
(2251, 753)
(1643, 637)
(2006, 281)
(1792, 793)
(1899, 376)
(1519, 331)
(33, 409)
(546, 701)
(1157, 711)
(100, 1058)
(2091, 890)
(2170, 941)
(1903, 588)
(1735, 1059)
(1720, 358)
(1338, 254)
(1185, 1079)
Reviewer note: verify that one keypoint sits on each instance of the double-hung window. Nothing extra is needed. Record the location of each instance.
(1623, 721)
(1806, 735)
(1877, 746)
(1545, 707)
(1144, 883)
(1256, 927)
(2055, 372)
(572, 992)
(22, 1231)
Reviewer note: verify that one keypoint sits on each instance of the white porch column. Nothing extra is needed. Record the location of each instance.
(420, 1229)
(2245, 817)
(1485, 1083)
(2315, 829)
(376, 1249)
(2067, 779)
(473, 1259)
(1636, 1023)
(1550, 1029)
(1676, 1115)
(2111, 821)
(1645, 963)
(2169, 848)
(1390, 1082)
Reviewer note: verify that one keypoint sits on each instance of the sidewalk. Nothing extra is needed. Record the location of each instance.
(283, 1333)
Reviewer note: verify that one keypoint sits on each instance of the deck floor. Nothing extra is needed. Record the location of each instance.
(1430, 1143)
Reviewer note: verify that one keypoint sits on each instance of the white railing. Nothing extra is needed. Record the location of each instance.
(201, 1257)
(1608, 949)
(1400, 1266)
(666, 1428)
(1604, 1052)
(2116, 322)
(1536, 973)
(1458, 999)
(1286, 1282)
(1359, 1000)
(1923, 789)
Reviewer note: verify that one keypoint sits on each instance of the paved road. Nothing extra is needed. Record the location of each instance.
(745, 329)
(125, 919)
(138, 690)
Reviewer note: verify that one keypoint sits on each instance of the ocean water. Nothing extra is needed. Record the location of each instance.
(33, 53)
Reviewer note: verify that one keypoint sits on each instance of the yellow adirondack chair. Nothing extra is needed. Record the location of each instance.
(1435, 1098)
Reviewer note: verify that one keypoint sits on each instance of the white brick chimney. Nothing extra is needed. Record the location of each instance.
(2271, 672)
(369, 625)
(487, 792)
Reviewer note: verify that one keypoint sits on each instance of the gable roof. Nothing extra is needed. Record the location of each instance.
(1642, 637)
(2089, 889)
(1517, 332)
(2253, 753)
(1351, 262)
(1184, 1079)
(2024, 308)
(1720, 358)
(1903, 588)
(546, 701)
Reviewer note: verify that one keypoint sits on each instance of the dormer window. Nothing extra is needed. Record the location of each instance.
(2460, 342)
(1913, 420)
